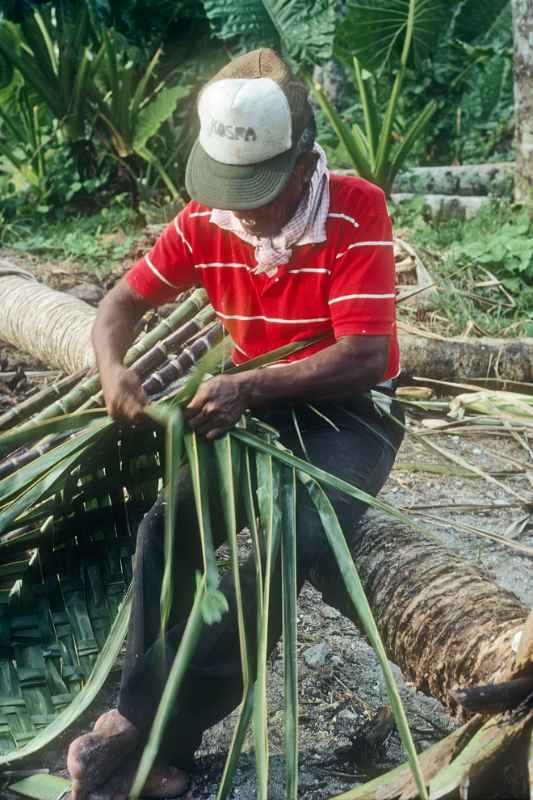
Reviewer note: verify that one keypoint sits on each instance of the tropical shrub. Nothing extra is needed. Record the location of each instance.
(459, 73)
(387, 36)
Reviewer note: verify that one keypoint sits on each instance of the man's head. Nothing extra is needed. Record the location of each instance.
(254, 152)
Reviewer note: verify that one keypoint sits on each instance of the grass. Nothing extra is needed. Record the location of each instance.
(97, 241)
(464, 257)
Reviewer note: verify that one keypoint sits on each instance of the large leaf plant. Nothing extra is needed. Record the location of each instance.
(302, 29)
(378, 41)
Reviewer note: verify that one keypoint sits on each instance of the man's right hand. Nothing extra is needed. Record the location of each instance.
(124, 396)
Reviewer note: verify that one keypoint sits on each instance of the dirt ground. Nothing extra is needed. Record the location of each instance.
(340, 682)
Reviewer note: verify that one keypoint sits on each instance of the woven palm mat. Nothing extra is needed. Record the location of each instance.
(63, 578)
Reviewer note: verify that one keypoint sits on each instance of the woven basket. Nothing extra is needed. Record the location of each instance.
(62, 579)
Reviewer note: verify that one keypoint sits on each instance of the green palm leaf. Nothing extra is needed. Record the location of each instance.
(175, 434)
(166, 707)
(268, 494)
(290, 627)
(105, 662)
(228, 465)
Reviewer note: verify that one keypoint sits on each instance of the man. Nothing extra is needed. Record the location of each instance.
(286, 253)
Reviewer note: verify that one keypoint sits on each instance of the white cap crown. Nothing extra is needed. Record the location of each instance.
(244, 121)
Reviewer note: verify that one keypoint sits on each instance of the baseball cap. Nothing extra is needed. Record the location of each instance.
(254, 119)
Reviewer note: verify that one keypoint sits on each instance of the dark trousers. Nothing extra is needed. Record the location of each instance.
(362, 452)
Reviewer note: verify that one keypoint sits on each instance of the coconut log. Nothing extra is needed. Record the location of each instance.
(461, 359)
(466, 179)
(444, 206)
(449, 627)
(53, 327)
(444, 621)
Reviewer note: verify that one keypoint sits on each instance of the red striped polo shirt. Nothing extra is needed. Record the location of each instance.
(340, 287)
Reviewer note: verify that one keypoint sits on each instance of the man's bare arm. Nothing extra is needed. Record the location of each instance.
(112, 334)
(350, 366)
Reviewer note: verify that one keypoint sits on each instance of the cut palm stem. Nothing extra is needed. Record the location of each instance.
(227, 457)
(268, 482)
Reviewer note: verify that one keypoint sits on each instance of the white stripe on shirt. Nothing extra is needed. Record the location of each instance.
(158, 274)
(338, 215)
(309, 269)
(271, 319)
(231, 264)
(180, 234)
(361, 297)
(365, 244)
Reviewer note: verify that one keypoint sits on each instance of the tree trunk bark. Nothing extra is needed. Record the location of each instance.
(467, 179)
(446, 624)
(446, 206)
(444, 621)
(52, 326)
(461, 359)
(523, 90)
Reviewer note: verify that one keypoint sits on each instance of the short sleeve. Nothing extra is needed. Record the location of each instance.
(168, 268)
(362, 287)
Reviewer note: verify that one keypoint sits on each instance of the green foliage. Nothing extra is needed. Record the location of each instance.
(376, 32)
(432, 80)
(483, 267)
(55, 62)
(94, 86)
(99, 241)
(470, 72)
(304, 29)
(384, 39)
(460, 63)
(506, 251)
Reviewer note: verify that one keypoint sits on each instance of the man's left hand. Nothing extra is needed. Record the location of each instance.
(217, 405)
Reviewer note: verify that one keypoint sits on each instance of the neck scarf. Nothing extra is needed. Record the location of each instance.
(306, 226)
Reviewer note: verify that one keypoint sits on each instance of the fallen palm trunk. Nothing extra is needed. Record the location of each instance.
(446, 624)
(467, 179)
(457, 359)
(53, 326)
(462, 359)
(446, 205)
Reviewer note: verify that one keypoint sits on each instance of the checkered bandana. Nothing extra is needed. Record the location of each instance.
(307, 226)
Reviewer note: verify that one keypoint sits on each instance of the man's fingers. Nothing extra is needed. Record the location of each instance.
(207, 412)
(198, 401)
(216, 433)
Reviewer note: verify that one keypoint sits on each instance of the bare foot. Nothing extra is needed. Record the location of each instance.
(94, 757)
(102, 765)
(163, 782)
